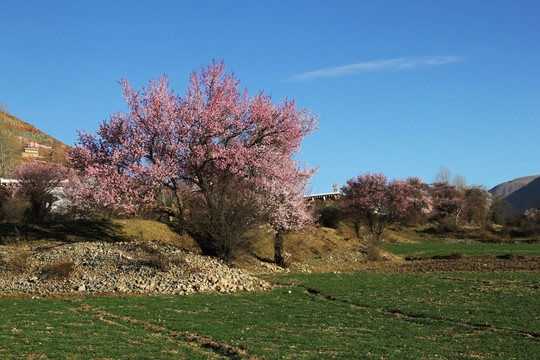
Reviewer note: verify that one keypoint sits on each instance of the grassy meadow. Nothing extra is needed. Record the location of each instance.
(308, 316)
(362, 315)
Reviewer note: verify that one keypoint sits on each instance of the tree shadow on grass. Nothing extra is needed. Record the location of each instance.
(63, 231)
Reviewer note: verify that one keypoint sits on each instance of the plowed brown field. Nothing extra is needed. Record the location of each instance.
(467, 264)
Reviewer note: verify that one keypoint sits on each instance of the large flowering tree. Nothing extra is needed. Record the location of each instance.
(205, 145)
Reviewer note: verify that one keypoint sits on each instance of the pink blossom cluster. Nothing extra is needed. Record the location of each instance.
(285, 199)
(38, 178)
(446, 199)
(373, 194)
(38, 183)
(212, 132)
(372, 199)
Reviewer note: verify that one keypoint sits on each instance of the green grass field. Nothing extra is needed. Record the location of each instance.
(341, 316)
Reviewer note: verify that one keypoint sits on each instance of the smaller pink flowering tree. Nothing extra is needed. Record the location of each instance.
(286, 206)
(371, 200)
(447, 202)
(419, 204)
(37, 183)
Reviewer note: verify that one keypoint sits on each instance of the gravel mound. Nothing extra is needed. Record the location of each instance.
(125, 267)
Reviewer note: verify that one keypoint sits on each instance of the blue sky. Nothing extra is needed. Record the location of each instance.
(400, 87)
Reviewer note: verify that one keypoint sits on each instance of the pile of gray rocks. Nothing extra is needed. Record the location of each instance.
(127, 267)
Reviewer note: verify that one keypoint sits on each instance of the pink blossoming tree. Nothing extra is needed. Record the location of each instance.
(37, 183)
(447, 201)
(370, 199)
(213, 142)
(286, 206)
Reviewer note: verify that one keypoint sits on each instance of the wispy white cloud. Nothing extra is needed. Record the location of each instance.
(398, 64)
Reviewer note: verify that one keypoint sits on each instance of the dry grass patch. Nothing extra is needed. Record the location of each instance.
(315, 249)
(19, 259)
(58, 270)
(374, 253)
(145, 230)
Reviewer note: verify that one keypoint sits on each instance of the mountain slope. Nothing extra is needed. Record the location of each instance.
(506, 188)
(526, 197)
(21, 141)
(521, 193)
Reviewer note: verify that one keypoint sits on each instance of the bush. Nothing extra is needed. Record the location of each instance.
(159, 261)
(220, 230)
(14, 239)
(14, 210)
(155, 258)
(510, 256)
(20, 260)
(447, 225)
(58, 270)
(374, 254)
(328, 214)
(457, 255)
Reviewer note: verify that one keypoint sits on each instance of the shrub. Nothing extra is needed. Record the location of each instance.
(161, 262)
(510, 256)
(328, 214)
(447, 225)
(14, 239)
(58, 270)
(20, 260)
(374, 253)
(154, 257)
(14, 210)
(457, 255)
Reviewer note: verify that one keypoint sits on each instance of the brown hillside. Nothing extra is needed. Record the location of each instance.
(27, 142)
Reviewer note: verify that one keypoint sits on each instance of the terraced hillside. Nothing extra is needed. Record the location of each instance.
(21, 141)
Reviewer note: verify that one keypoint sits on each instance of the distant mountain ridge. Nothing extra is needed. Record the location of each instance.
(521, 193)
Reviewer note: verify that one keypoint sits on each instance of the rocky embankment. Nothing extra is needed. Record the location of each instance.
(129, 267)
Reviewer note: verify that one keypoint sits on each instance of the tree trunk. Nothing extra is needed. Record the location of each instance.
(35, 212)
(357, 229)
(458, 212)
(279, 249)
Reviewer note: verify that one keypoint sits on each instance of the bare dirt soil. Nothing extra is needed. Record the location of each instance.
(356, 261)
(468, 264)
